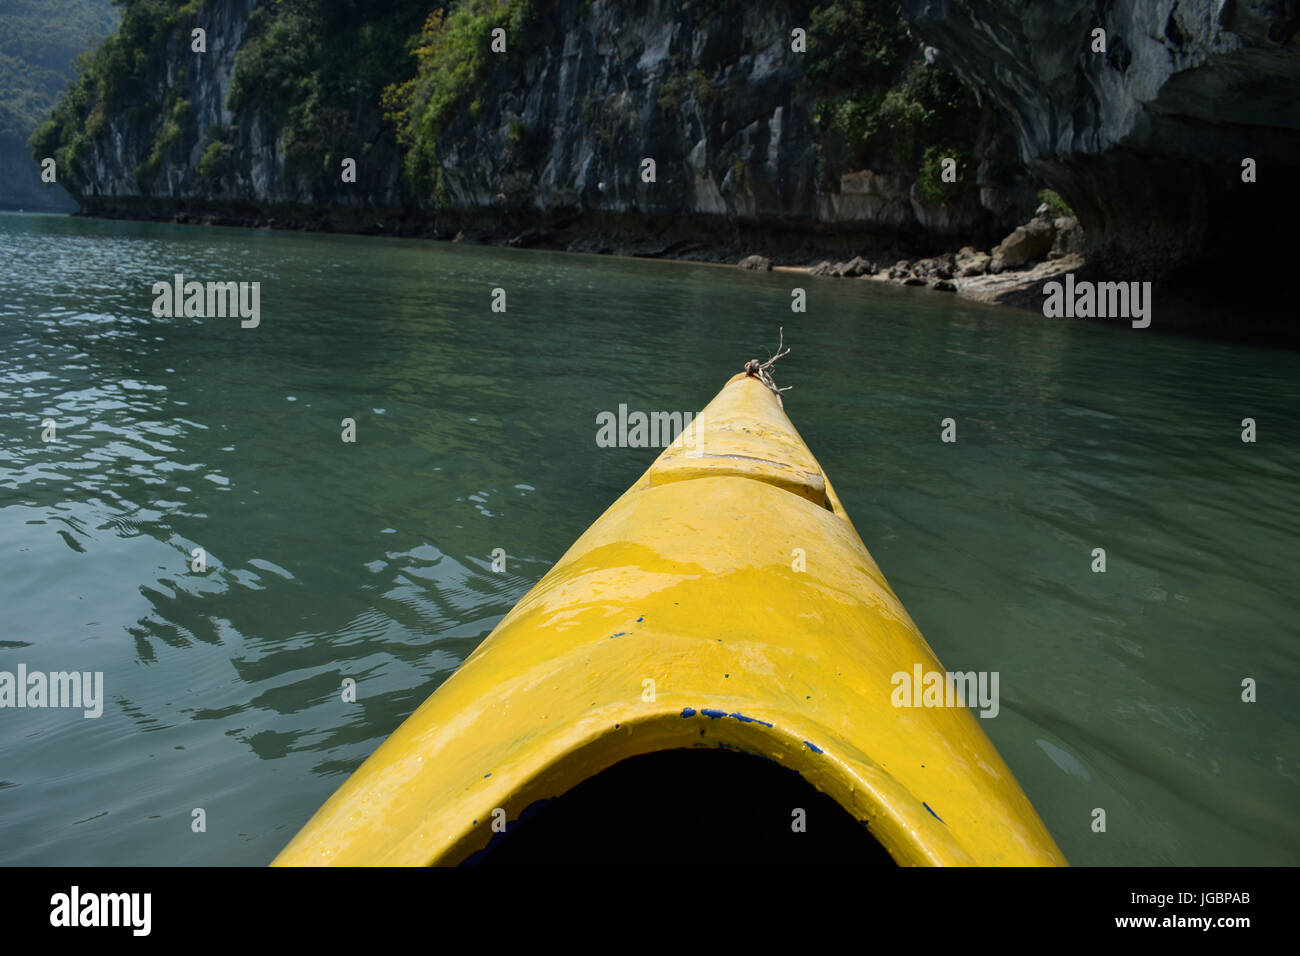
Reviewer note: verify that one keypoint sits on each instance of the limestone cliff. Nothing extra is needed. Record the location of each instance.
(548, 147)
(1146, 137)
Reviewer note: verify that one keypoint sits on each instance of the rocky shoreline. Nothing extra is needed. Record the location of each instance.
(1005, 274)
(1011, 273)
(987, 276)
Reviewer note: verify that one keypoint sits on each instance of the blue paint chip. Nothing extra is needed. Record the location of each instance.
(813, 747)
(932, 813)
(619, 634)
(640, 619)
(716, 714)
(486, 775)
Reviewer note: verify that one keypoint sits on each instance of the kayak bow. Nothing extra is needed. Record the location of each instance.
(724, 601)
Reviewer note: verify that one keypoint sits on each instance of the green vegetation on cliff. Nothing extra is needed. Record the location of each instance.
(317, 66)
(452, 55)
(320, 67)
(335, 78)
(879, 102)
(1056, 206)
(117, 75)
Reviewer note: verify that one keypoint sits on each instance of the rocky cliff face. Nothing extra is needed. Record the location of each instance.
(716, 103)
(195, 152)
(554, 144)
(111, 170)
(1146, 140)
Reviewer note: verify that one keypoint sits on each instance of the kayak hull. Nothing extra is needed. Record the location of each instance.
(725, 600)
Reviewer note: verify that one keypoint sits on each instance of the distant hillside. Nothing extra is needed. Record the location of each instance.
(39, 43)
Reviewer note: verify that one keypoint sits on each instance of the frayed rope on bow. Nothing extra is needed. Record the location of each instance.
(763, 370)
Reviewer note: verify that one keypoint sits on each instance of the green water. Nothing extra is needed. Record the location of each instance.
(476, 431)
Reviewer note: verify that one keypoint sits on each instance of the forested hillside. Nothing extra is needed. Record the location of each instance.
(39, 42)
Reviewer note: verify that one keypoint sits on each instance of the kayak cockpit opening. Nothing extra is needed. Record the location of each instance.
(687, 807)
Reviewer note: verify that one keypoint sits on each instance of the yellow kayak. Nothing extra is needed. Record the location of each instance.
(716, 665)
